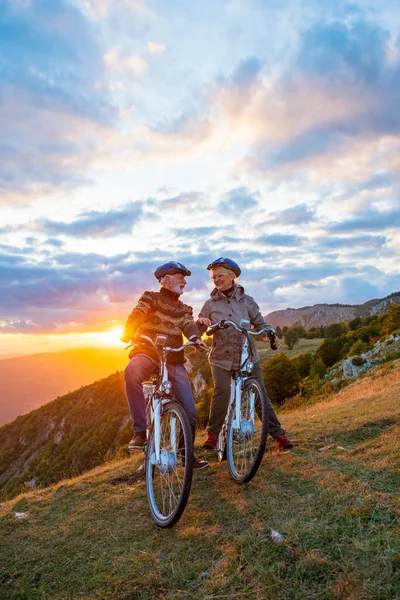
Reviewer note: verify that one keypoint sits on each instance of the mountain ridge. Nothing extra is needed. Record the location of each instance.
(323, 314)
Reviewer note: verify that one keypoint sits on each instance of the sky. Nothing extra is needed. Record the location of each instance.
(134, 132)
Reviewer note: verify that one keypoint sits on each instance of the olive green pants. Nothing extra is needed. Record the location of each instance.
(220, 401)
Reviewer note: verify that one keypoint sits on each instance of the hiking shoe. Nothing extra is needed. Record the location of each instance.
(284, 443)
(199, 464)
(138, 441)
(211, 442)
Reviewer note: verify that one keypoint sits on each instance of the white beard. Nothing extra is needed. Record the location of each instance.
(177, 288)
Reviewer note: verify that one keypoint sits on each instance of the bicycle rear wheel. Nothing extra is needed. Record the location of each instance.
(246, 442)
(168, 482)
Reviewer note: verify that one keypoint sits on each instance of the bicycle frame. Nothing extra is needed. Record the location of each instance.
(238, 379)
(160, 392)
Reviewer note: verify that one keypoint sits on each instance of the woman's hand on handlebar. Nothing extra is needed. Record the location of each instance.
(272, 339)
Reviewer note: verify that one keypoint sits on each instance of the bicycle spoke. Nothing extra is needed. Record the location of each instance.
(168, 483)
(246, 442)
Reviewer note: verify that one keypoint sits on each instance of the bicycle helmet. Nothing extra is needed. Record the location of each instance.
(170, 268)
(228, 263)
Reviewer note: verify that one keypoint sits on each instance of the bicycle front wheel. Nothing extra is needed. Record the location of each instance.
(168, 480)
(246, 440)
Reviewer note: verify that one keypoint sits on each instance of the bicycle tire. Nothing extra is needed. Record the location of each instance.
(246, 445)
(168, 484)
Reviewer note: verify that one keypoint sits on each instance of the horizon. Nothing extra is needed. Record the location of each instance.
(136, 132)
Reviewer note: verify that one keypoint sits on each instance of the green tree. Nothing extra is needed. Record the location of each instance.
(278, 332)
(281, 378)
(355, 323)
(291, 337)
(335, 330)
(330, 349)
(303, 363)
(300, 330)
(392, 322)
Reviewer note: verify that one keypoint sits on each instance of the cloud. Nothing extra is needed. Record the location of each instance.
(239, 200)
(125, 63)
(193, 232)
(93, 223)
(52, 109)
(103, 9)
(155, 48)
(246, 73)
(374, 220)
(340, 90)
(279, 239)
(70, 287)
(349, 243)
(295, 215)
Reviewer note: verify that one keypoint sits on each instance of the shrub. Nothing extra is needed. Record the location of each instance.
(358, 361)
(359, 347)
(281, 378)
(318, 368)
(303, 363)
(310, 386)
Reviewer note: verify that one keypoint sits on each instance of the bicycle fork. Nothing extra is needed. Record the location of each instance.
(245, 426)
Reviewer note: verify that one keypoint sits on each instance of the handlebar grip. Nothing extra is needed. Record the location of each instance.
(211, 330)
(273, 339)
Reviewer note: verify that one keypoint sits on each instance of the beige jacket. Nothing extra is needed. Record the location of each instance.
(227, 343)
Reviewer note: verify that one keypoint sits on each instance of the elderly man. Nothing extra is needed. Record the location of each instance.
(160, 313)
(229, 301)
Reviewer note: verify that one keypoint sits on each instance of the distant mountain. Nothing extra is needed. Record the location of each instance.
(28, 382)
(325, 314)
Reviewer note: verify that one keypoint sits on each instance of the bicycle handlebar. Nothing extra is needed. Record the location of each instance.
(224, 323)
(167, 348)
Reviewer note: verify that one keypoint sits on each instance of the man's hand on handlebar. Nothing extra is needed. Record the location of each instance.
(199, 345)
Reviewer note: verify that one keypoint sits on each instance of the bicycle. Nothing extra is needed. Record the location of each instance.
(243, 436)
(169, 446)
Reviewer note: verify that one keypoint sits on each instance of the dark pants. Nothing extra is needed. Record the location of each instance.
(139, 368)
(220, 401)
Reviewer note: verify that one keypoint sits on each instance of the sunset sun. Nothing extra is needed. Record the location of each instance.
(109, 338)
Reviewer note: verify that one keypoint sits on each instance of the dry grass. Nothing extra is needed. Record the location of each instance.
(335, 498)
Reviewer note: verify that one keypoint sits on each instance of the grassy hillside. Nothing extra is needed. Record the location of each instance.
(65, 437)
(28, 382)
(303, 345)
(335, 498)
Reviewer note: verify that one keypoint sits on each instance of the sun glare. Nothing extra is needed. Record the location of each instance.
(109, 338)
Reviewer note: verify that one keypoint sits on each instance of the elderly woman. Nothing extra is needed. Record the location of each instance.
(229, 301)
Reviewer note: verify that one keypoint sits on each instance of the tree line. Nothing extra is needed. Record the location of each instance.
(285, 377)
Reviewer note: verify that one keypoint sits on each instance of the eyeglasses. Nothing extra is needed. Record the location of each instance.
(219, 276)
